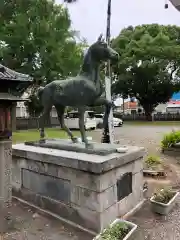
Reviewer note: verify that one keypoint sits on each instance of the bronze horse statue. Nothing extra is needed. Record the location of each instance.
(85, 89)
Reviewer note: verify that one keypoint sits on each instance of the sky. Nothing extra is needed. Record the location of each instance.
(89, 16)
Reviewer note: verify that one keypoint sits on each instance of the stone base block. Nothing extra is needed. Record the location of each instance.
(87, 189)
(5, 174)
(5, 182)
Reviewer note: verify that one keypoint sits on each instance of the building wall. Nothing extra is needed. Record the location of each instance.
(21, 110)
(129, 107)
(161, 108)
(53, 112)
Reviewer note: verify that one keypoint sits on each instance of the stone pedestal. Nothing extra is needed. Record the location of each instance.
(87, 189)
(5, 182)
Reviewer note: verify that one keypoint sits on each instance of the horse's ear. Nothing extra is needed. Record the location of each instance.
(100, 38)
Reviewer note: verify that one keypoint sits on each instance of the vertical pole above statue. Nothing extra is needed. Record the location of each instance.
(108, 134)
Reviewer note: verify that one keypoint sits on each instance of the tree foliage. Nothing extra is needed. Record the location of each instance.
(33, 105)
(36, 38)
(149, 64)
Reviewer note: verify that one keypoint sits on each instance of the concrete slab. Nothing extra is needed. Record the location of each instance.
(67, 145)
(82, 161)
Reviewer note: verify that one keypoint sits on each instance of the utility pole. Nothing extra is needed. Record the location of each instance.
(123, 105)
(108, 134)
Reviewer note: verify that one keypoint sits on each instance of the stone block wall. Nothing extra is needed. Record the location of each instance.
(85, 198)
(5, 176)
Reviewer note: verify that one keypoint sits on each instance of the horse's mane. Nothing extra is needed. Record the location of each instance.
(87, 63)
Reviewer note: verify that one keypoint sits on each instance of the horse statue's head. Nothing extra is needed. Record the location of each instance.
(100, 51)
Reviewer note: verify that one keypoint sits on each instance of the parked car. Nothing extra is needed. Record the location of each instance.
(99, 120)
(72, 120)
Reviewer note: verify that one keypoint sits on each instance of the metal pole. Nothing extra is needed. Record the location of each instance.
(123, 106)
(108, 134)
(108, 29)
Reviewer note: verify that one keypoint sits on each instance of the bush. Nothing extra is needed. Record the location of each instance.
(164, 195)
(170, 139)
(115, 232)
(152, 161)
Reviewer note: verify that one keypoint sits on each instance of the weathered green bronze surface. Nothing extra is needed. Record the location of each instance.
(81, 91)
(64, 144)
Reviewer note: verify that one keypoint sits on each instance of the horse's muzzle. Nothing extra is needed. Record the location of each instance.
(115, 57)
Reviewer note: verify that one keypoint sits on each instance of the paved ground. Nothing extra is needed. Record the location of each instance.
(151, 227)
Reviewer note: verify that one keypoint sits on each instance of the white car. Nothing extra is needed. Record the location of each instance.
(99, 120)
(72, 120)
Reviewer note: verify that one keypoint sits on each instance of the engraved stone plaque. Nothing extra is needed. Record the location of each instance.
(124, 186)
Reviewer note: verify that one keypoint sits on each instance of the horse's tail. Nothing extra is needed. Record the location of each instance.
(39, 92)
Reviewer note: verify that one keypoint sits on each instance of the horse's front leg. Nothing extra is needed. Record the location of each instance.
(82, 127)
(105, 135)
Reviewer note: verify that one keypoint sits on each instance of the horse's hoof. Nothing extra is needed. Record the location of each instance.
(42, 141)
(75, 140)
(89, 145)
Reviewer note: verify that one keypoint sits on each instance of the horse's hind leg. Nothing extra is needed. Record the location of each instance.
(60, 111)
(43, 117)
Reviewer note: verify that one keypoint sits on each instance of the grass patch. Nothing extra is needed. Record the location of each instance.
(32, 135)
(170, 139)
(154, 123)
(153, 162)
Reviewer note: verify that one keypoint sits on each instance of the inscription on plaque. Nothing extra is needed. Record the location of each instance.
(55, 188)
(124, 186)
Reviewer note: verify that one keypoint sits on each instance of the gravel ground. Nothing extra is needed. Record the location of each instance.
(148, 137)
(152, 226)
(155, 227)
(25, 224)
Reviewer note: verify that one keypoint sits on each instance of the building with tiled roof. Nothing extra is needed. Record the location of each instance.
(13, 84)
(176, 4)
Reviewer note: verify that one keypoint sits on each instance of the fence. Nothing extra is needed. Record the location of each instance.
(157, 117)
(33, 123)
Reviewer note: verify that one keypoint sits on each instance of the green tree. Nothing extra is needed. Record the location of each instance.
(36, 38)
(149, 64)
(33, 106)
